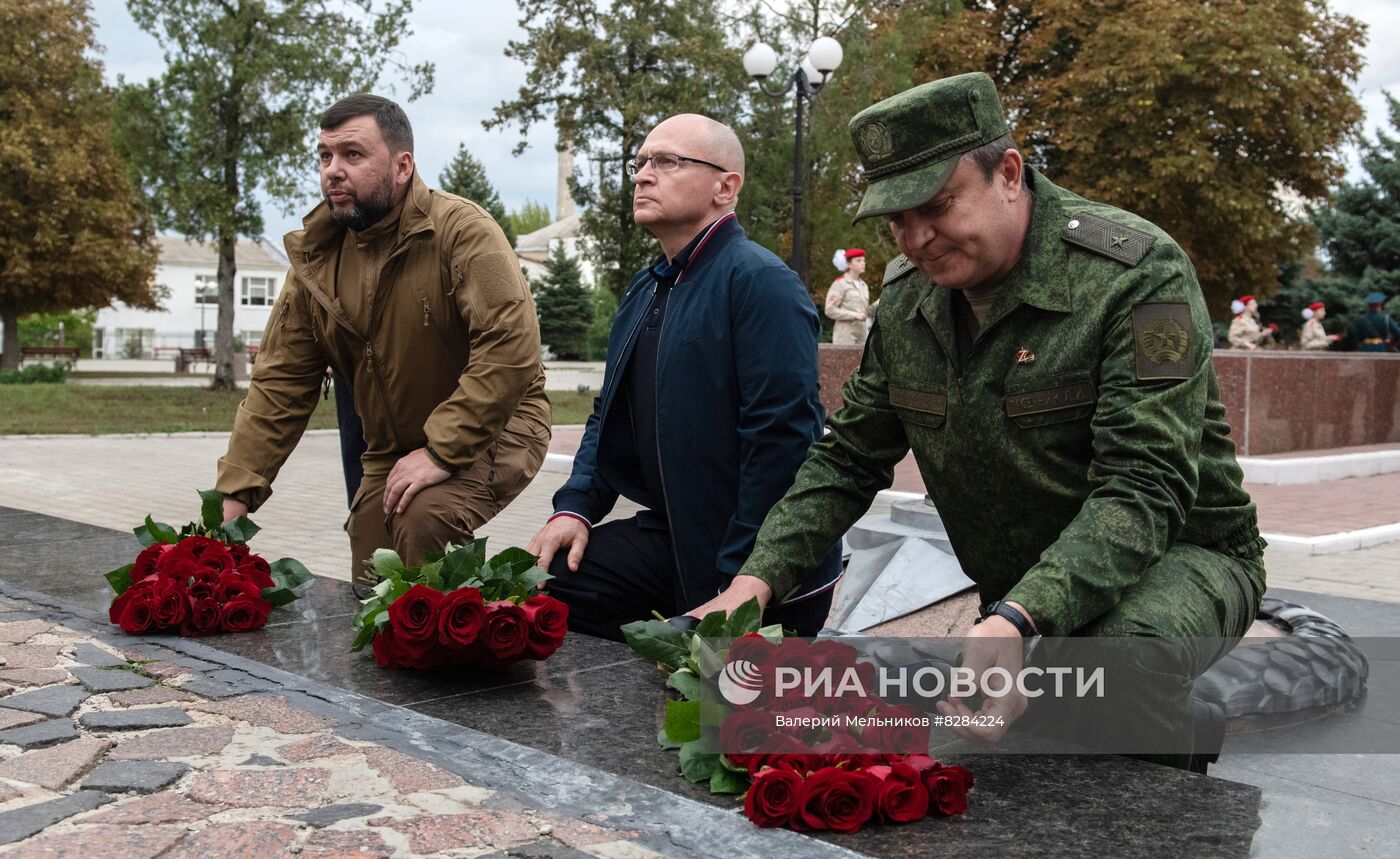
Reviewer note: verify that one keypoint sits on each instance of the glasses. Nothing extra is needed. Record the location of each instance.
(666, 162)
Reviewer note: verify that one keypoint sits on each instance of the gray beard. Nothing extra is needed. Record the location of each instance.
(367, 212)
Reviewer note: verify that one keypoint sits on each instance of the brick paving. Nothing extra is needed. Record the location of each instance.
(253, 776)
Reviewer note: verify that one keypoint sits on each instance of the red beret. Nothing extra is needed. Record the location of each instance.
(852, 253)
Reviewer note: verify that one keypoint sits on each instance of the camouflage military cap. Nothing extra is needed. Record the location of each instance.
(910, 143)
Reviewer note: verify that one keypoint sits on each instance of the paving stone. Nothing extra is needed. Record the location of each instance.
(110, 679)
(16, 719)
(134, 776)
(164, 670)
(166, 807)
(33, 676)
(91, 654)
(315, 748)
(345, 844)
(216, 689)
(135, 720)
(52, 768)
(329, 814)
(261, 761)
(268, 712)
(50, 701)
(150, 695)
(410, 774)
(29, 655)
(256, 788)
(41, 734)
(430, 833)
(237, 841)
(155, 653)
(7, 793)
(18, 632)
(580, 833)
(102, 842)
(545, 848)
(23, 822)
(174, 743)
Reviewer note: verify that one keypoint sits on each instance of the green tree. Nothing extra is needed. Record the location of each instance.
(606, 75)
(604, 309)
(235, 111)
(466, 177)
(72, 232)
(529, 217)
(1361, 230)
(565, 307)
(1194, 115)
(72, 327)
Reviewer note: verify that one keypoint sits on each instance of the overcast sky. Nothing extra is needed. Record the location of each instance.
(467, 42)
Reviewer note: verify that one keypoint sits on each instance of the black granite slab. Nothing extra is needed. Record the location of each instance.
(594, 703)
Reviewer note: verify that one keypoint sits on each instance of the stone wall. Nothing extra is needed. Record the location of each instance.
(1276, 402)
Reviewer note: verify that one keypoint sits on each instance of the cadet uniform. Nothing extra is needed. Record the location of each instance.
(1375, 331)
(1076, 448)
(1247, 333)
(848, 302)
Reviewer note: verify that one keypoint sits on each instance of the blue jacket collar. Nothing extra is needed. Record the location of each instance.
(713, 236)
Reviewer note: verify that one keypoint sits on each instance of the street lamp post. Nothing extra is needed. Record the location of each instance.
(807, 79)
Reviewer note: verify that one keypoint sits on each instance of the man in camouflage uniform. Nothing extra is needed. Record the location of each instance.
(1047, 358)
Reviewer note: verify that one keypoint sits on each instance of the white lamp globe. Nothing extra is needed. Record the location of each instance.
(825, 54)
(760, 61)
(815, 77)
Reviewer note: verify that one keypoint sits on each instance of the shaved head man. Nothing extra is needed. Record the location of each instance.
(708, 406)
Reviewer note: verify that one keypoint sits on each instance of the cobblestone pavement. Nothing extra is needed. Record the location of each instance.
(113, 481)
(114, 746)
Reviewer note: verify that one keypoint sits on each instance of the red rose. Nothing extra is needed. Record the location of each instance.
(244, 614)
(172, 604)
(180, 567)
(902, 795)
(505, 633)
(138, 615)
(147, 561)
(392, 650)
(948, 787)
(798, 763)
(234, 586)
(414, 615)
(548, 621)
(207, 553)
(204, 585)
(204, 618)
(460, 617)
(837, 799)
(386, 649)
(138, 591)
(747, 731)
(239, 554)
(773, 797)
(256, 570)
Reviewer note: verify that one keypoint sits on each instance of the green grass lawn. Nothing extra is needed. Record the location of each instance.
(94, 410)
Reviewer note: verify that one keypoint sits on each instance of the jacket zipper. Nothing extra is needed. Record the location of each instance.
(383, 397)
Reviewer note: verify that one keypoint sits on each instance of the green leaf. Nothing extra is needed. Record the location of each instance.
(772, 633)
(686, 683)
(707, 662)
(120, 579)
(367, 627)
(387, 564)
(657, 641)
(279, 596)
(665, 742)
(682, 722)
(211, 508)
(725, 762)
(727, 781)
(431, 575)
(743, 620)
(515, 560)
(155, 532)
(289, 573)
(712, 624)
(245, 527)
(697, 765)
(458, 565)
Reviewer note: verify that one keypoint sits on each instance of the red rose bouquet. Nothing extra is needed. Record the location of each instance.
(458, 608)
(201, 579)
(801, 778)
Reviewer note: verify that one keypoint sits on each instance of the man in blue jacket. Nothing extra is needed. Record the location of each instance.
(709, 403)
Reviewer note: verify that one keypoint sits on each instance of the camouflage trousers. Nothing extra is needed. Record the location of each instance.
(1185, 613)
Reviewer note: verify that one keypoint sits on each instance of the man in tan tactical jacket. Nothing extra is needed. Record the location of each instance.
(415, 297)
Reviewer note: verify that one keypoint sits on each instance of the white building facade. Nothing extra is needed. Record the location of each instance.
(188, 270)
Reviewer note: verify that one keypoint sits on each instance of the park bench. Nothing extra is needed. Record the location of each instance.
(189, 357)
(62, 353)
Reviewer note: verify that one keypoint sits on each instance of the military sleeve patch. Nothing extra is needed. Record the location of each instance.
(1103, 236)
(898, 267)
(1162, 340)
